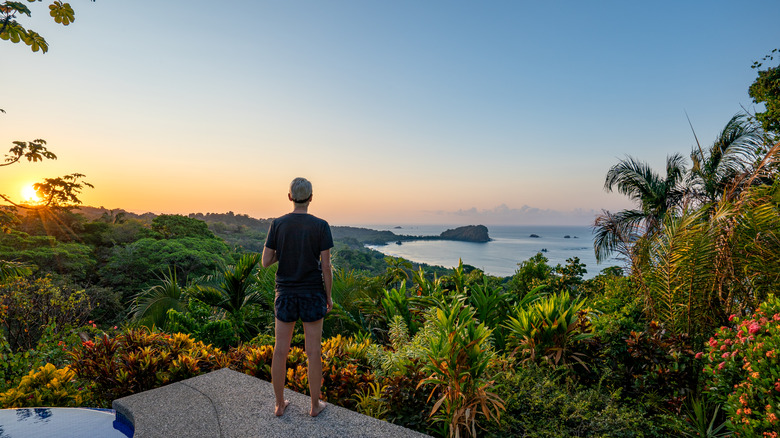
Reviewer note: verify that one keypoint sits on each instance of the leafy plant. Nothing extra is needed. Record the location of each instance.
(550, 328)
(152, 305)
(491, 304)
(704, 420)
(459, 354)
(48, 386)
(370, 402)
(233, 291)
(200, 322)
(661, 366)
(396, 303)
(139, 360)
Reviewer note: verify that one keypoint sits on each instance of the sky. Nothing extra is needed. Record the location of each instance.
(412, 112)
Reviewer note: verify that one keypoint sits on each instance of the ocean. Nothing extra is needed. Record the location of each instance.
(510, 246)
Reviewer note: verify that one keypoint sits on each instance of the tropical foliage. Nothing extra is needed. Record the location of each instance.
(99, 304)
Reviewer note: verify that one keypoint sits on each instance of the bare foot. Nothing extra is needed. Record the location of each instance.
(319, 408)
(279, 411)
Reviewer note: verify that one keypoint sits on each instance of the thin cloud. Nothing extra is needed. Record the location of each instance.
(525, 215)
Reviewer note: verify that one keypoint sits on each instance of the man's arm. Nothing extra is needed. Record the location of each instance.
(269, 257)
(327, 276)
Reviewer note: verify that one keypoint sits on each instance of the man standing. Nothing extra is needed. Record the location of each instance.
(301, 244)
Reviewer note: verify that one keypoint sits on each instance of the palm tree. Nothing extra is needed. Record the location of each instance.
(735, 151)
(655, 195)
(152, 305)
(234, 291)
(13, 269)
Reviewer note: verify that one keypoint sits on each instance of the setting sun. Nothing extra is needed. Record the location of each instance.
(29, 194)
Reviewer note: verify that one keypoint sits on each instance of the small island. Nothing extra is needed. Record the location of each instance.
(535, 236)
(469, 233)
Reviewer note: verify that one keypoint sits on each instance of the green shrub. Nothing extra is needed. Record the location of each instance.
(408, 402)
(662, 366)
(52, 348)
(540, 402)
(28, 306)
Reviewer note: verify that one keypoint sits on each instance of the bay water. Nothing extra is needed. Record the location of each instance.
(510, 245)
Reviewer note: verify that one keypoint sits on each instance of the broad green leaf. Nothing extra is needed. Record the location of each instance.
(36, 42)
(9, 7)
(62, 13)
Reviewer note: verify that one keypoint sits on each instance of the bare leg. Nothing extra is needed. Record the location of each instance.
(313, 334)
(284, 332)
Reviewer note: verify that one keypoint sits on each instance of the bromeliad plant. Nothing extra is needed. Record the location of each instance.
(459, 354)
(550, 328)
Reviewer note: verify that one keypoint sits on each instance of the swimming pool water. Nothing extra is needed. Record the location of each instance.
(62, 423)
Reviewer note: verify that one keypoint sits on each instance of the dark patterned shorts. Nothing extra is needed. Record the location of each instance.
(308, 307)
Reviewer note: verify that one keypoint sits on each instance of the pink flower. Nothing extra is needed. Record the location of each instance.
(721, 365)
(777, 386)
(754, 328)
(731, 317)
(770, 353)
(725, 355)
(699, 355)
(713, 342)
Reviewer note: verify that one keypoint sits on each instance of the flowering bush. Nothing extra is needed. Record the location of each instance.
(28, 306)
(743, 370)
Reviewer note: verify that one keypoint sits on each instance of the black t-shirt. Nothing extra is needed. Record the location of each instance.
(298, 239)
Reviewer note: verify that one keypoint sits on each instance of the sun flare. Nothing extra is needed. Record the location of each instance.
(29, 194)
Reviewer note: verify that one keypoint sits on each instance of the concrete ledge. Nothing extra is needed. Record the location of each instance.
(229, 404)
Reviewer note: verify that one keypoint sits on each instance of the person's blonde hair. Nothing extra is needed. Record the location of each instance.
(300, 190)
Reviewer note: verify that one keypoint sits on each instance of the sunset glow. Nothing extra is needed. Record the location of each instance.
(466, 113)
(29, 195)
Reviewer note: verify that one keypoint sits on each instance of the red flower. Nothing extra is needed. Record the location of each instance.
(754, 328)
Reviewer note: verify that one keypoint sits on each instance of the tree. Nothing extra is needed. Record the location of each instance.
(655, 195)
(174, 226)
(12, 30)
(734, 152)
(766, 89)
(54, 192)
(135, 266)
